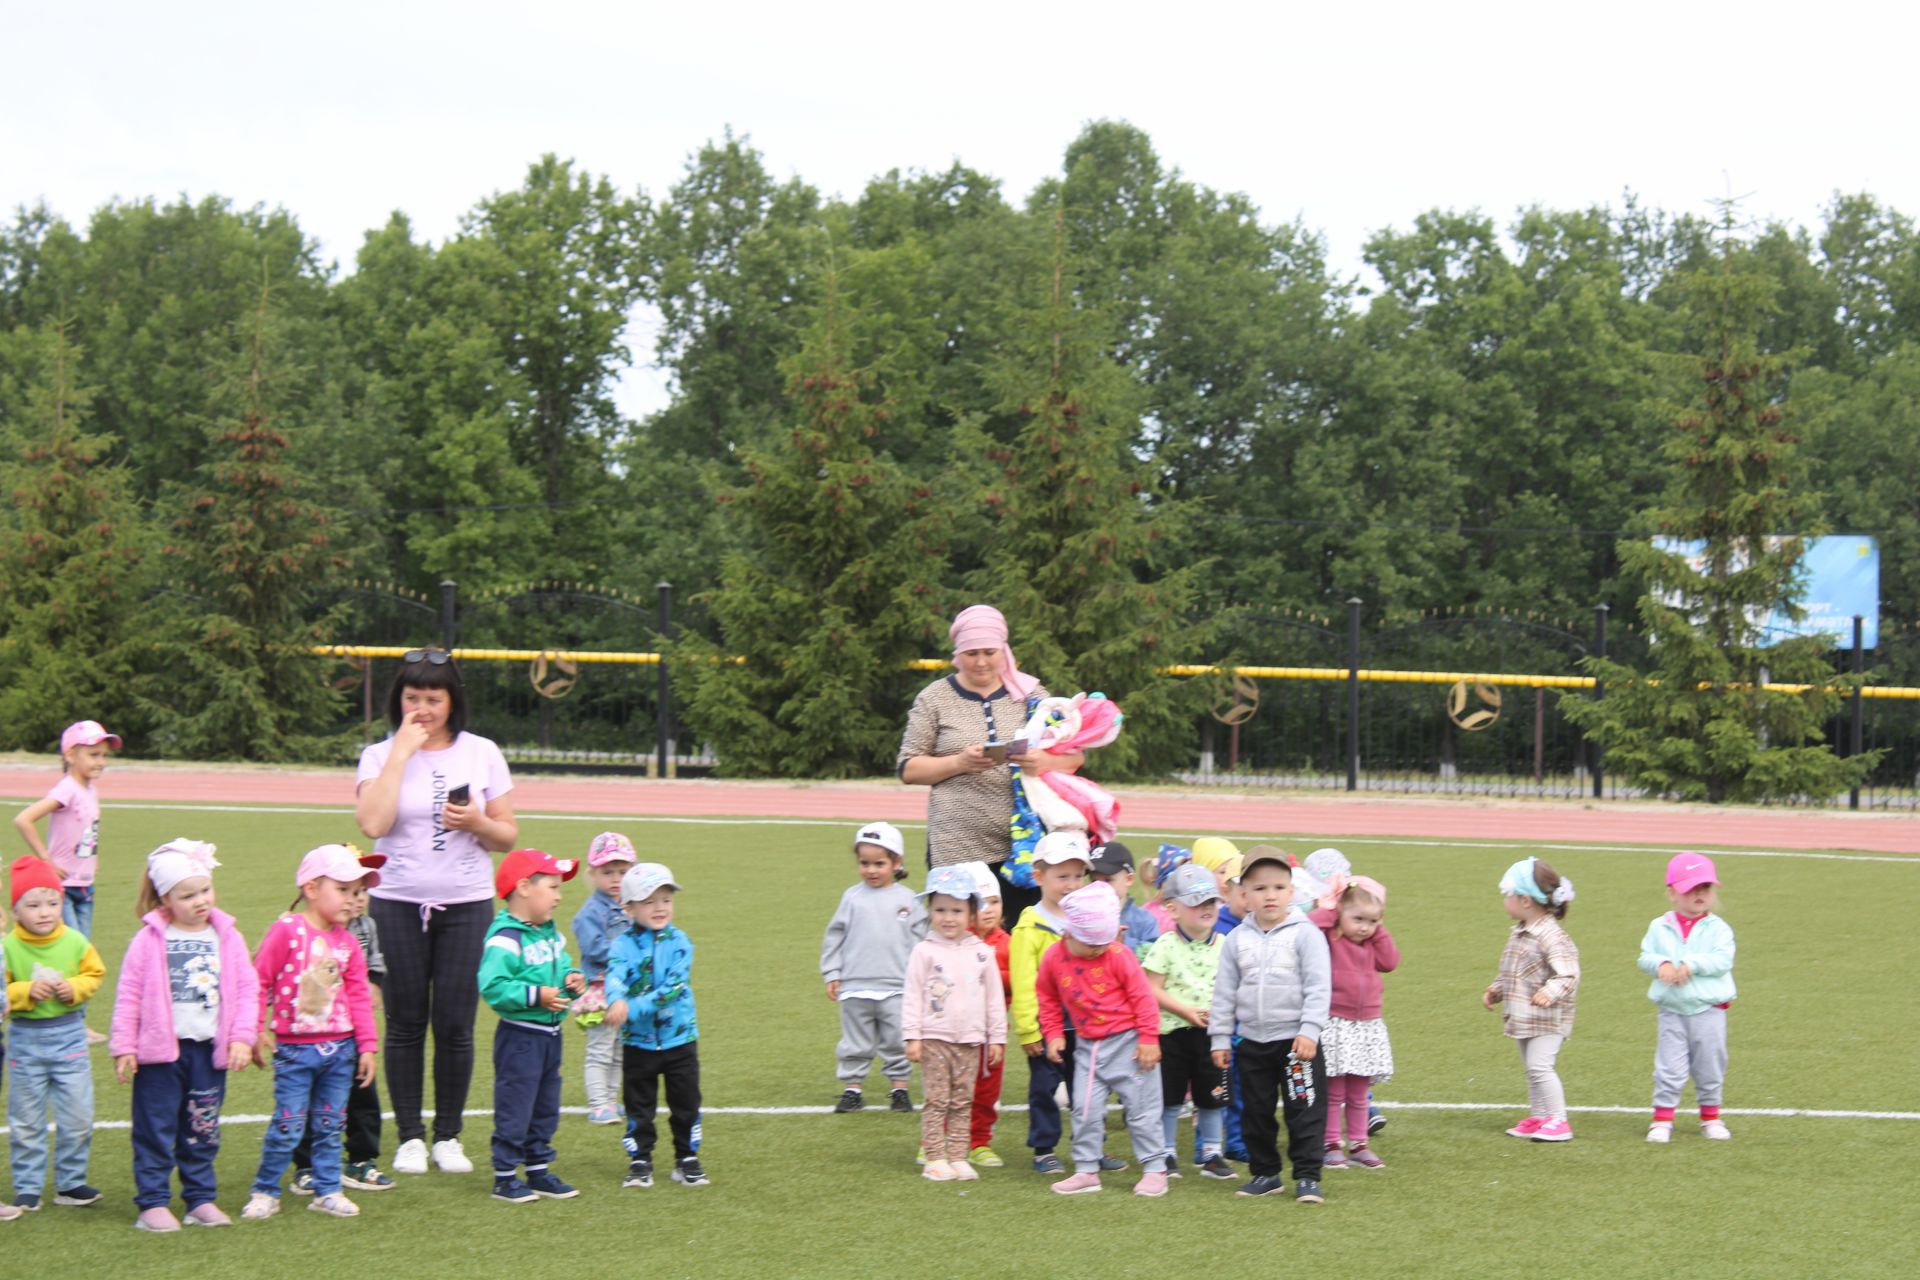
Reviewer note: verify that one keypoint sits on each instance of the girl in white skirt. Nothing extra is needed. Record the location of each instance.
(1355, 1045)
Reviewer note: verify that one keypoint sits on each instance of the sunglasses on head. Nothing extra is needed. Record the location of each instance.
(438, 657)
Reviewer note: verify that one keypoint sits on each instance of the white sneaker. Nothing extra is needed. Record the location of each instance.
(1660, 1131)
(411, 1157)
(448, 1157)
(1714, 1129)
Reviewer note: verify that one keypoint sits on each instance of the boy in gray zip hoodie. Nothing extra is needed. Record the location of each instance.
(1272, 991)
(863, 960)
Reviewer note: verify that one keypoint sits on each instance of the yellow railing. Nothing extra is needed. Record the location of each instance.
(1508, 678)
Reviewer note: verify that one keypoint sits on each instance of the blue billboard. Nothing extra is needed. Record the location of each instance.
(1839, 577)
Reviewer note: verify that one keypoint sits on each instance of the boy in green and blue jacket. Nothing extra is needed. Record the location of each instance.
(650, 999)
(527, 978)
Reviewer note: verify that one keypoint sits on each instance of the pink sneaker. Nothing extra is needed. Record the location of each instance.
(1528, 1127)
(1079, 1184)
(159, 1218)
(207, 1215)
(1334, 1158)
(1553, 1131)
(1365, 1159)
(1151, 1184)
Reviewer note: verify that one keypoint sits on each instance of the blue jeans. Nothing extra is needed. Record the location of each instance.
(176, 1125)
(1043, 1112)
(526, 1098)
(47, 1059)
(76, 909)
(310, 1087)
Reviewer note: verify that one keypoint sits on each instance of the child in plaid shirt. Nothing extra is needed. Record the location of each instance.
(1539, 973)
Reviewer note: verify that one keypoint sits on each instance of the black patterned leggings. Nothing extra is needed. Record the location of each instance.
(433, 979)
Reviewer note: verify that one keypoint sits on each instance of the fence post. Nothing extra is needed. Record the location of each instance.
(663, 714)
(1855, 738)
(447, 593)
(1353, 693)
(1595, 763)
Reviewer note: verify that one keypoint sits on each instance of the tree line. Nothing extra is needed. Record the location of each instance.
(1121, 407)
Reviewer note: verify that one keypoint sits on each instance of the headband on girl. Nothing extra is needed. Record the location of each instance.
(1519, 879)
(981, 626)
(179, 859)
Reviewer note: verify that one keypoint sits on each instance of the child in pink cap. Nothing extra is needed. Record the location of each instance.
(1688, 952)
(596, 927)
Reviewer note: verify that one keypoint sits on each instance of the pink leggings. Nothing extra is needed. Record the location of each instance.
(1348, 1095)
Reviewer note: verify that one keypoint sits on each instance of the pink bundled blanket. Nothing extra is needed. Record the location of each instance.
(1062, 801)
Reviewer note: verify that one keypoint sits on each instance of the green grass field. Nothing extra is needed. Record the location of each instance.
(1826, 1021)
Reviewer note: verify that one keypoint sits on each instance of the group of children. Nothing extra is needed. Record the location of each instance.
(1249, 988)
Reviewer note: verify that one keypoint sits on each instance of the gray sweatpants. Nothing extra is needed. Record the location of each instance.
(603, 1066)
(869, 1029)
(1106, 1066)
(1545, 1097)
(1690, 1044)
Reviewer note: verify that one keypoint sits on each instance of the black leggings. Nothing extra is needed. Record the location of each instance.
(433, 979)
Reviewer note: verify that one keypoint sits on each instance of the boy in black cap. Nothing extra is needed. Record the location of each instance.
(1113, 867)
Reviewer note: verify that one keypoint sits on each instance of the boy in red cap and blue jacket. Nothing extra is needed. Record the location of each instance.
(527, 978)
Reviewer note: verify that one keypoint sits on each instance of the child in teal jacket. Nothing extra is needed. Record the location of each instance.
(1688, 952)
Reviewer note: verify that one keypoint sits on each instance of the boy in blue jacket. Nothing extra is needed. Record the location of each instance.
(650, 998)
(526, 978)
(1688, 952)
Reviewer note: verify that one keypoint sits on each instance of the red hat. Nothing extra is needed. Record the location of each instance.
(33, 873)
(521, 863)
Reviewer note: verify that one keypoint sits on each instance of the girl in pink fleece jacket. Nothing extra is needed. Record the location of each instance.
(952, 1015)
(1355, 1044)
(187, 1011)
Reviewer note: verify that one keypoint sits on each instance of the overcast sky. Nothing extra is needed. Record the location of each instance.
(1349, 117)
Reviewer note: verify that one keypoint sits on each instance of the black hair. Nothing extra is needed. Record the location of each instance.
(422, 674)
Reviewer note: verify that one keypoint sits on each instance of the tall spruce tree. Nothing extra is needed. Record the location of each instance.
(834, 592)
(252, 550)
(72, 556)
(1708, 720)
(1076, 546)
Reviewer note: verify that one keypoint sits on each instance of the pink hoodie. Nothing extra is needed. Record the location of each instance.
(143, 1000)
(953, 993)
(1357, 967)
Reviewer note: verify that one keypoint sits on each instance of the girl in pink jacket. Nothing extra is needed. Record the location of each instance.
(187, 1011)
(1355, 1045)
(953, 1015)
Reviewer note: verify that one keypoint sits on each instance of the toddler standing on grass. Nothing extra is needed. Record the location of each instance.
(986, 1090)
(1539, 974)
(863, 960)
(186, 1011)
(650, 1003)
(1688, 952)
(1357, 1052)
(596, 926)
(1181, 967)
(954, 1017)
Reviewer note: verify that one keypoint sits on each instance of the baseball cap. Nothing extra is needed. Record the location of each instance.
(1062, 846)
(954, 881)
(1093, 915)
(1111, 859)
(340, 862)
(1688, 871)
(521, 863)
(643, 880)
(1263, 853)
(610, 846)
(1191, 885)
(884, 834)
(985, 883)
(85, 733)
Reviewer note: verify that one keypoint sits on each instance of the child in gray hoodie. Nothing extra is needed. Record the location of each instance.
(1272, 991)
(863, 960)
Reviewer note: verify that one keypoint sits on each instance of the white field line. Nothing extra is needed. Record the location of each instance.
(611, 818)
(1385, 1105)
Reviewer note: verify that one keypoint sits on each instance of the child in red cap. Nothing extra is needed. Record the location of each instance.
(527, 978)
(1688, 952)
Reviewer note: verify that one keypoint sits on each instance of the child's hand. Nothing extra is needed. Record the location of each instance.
(263, 1051)
(1198, 1017)
(833, 988)
(124, 1066)
(40, 989)
(1684, 975)
(1491, 997)
(1304, 1047)
(238, 1053)
(616, 1014)
(577, 983)
(364, 1076)
(379, 1001)
(551, 999)
(996, 1054)
(1541, 1000)
(913, 1051)
(1148, 1056)
(63, 989)
(1669, 973)
(1032, 1048)
(1056, 1047)
(1223, 1058)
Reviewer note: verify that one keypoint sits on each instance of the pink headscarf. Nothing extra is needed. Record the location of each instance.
(981, 626)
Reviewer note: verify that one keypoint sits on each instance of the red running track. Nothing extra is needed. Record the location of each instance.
(1612, 822)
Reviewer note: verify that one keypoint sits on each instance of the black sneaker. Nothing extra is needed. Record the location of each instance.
(899, 1101)
(78, 1196)
(1217, 1167)
(1307, 1191)
(1112, 1164)
(543, 1184)
(1266, 1185)
(688, 1172)
(513, 1191)
(302, 1184)
(849, 1101)
(639, 1174)
(1376, 1120)
(27, 1204)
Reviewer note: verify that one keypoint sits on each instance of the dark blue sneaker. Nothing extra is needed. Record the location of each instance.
(688, 1173)
(1307, 1191)
(543, 1184)
(513, 1191)
(80, 1195)
(1267, 1185)
(1215, 1167)
(1048, 1164)
(1376, 1119)
(27, 1204)
(1112, 1164)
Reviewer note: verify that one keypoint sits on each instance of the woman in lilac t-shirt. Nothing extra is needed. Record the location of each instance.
(435, 897)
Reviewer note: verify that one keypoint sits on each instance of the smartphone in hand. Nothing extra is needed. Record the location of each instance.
(460, 794)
